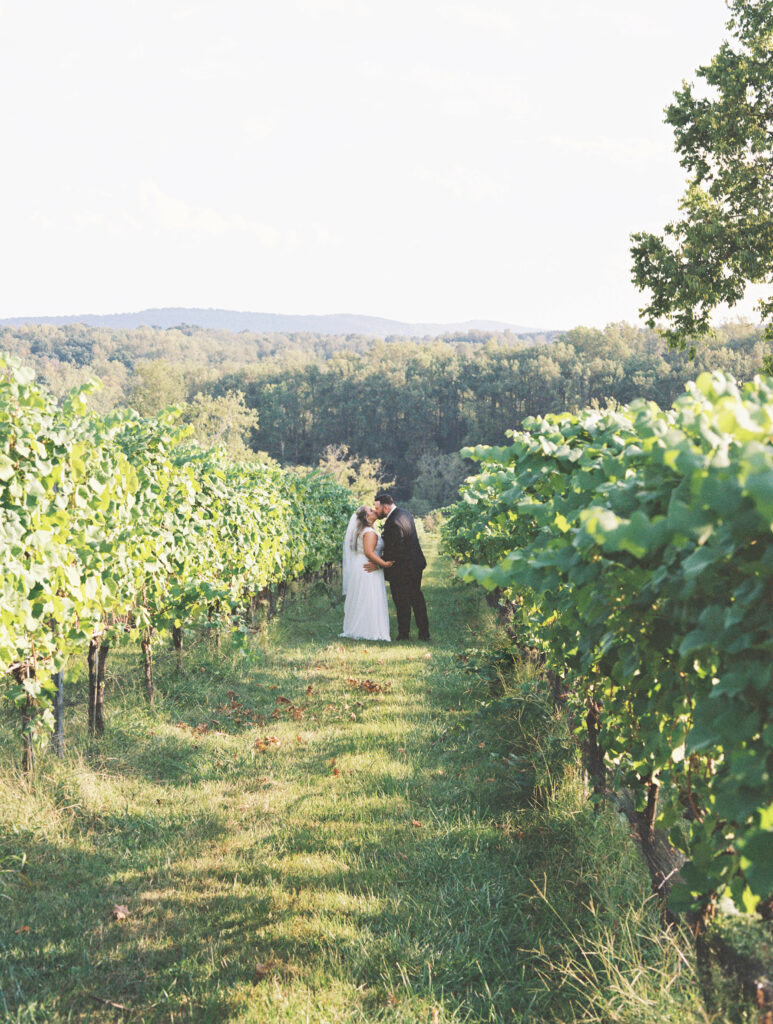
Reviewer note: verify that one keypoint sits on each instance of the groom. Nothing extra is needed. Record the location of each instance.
(401, 546)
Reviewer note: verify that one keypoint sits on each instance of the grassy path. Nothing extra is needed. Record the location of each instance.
(313, 830)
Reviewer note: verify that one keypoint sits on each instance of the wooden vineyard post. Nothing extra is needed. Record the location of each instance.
(148, 665)
(92, 664)
(177, 643)
(57, 739)
(99, 717)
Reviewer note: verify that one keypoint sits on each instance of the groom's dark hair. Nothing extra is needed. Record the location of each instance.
(384, 498)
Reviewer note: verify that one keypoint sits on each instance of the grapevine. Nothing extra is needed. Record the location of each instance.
(645, 539)
(124, 523)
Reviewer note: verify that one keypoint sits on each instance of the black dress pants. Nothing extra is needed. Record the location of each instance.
(407, 596)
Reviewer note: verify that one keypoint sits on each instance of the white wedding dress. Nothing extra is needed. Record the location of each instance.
(366, 613)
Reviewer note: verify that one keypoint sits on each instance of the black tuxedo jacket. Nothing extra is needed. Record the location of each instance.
(401, 546)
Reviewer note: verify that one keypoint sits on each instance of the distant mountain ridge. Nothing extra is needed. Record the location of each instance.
(280, 323)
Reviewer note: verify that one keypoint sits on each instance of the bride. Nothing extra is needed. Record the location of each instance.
(366, 614)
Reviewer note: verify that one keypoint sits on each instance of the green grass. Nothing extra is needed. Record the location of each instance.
(415, 854)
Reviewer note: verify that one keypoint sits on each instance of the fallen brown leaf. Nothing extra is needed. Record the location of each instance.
(266, 743)
(108, 1002)
(368, 685)
(262, 970)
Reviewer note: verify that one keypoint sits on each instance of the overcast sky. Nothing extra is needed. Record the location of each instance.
(423, 160)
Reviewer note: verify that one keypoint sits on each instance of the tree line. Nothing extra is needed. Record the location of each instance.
(408, 405)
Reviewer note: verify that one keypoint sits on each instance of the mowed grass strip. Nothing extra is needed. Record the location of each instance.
(311, 829)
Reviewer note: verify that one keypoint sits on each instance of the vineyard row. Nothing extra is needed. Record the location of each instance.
(636, 547)
(122, 524)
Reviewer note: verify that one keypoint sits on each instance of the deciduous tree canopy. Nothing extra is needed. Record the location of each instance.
(724, 137)
(399, 407)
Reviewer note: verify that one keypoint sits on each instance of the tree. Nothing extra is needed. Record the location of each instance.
(364, 477)
(438, 481)
(223, 420)
(724, 137)
(157, 384)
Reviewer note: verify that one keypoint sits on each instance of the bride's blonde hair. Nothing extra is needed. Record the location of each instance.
(362, 522)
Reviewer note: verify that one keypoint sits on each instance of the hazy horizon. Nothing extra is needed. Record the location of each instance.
(430, 163)
(218, 317)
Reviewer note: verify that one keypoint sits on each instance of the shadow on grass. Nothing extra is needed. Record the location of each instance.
(398, 894)
(198, 947)
(415, 885)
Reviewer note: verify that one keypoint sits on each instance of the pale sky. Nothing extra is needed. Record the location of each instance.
(422, 160)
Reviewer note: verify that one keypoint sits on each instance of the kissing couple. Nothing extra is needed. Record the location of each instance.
(369, 560)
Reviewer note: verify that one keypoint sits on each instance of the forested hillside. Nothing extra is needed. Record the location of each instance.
(410, 404)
